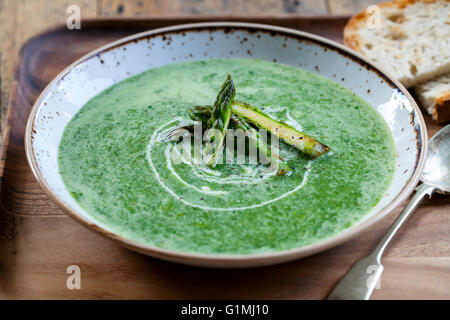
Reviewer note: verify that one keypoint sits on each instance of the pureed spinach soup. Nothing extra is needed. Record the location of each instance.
(117, 164)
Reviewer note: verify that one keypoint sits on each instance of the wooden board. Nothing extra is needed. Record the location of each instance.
(38, 241)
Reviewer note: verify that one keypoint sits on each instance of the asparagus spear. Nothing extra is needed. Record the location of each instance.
(218, 123)
(283, 131)
(254, 137)
(288, 134)
(203, 113)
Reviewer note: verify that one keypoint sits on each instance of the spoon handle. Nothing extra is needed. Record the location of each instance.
(362, 278)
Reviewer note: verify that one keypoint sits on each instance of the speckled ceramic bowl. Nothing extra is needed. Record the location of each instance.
(100, 69)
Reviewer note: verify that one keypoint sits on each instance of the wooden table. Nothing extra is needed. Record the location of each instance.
(21, 19)
(417, 265)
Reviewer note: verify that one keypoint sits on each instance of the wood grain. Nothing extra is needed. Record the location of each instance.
(211, 7)
(349, 7)
(38, 241)
(21, 19)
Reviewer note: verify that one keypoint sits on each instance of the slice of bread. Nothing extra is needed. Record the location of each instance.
(435, 97)
(412, 41)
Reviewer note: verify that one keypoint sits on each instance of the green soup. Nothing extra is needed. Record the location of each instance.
(116, 166)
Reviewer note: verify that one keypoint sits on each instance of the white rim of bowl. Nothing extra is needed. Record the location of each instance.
(231, 259)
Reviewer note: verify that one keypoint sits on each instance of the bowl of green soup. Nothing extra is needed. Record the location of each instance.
(226, 144)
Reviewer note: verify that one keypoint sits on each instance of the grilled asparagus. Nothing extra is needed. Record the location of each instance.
(288, 134)
(203, 113)
(219, 121)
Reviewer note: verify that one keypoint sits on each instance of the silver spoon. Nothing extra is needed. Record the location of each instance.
(362, 278)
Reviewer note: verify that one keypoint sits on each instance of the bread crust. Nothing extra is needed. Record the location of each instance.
(441, 109)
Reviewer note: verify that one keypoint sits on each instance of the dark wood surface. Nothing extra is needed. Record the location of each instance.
(38, 241)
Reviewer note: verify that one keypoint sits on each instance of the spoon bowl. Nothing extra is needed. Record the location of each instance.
(436, 172)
